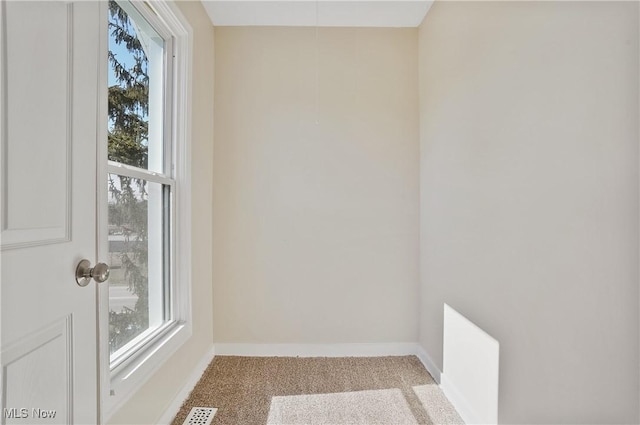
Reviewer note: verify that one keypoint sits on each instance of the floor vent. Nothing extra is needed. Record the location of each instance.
(200, 416)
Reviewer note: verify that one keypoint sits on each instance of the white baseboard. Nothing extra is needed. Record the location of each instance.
(198, 370)
(459, 402)
(428, 363)
(317, 350)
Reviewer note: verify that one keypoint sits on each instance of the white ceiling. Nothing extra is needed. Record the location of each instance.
(325, 13)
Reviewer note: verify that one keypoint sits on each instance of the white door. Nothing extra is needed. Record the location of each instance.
(49, 77)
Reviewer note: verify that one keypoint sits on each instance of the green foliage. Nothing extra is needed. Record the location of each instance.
(129, 99)
(128, 139)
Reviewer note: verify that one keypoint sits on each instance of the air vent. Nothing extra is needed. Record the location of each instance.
(200, 416)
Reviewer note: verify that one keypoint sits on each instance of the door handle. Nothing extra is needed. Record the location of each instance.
(84, 272)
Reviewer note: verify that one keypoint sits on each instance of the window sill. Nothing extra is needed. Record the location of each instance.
(130, 377)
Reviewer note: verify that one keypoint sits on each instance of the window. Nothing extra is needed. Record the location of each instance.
(140, 182)
(145, 311)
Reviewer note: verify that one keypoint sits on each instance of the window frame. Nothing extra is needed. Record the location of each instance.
(150, 352)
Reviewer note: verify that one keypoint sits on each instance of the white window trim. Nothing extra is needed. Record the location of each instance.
(118, 387)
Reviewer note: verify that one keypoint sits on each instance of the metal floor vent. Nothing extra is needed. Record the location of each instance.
(200, 416)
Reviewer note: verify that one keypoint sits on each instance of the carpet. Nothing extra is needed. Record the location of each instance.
(322, 390)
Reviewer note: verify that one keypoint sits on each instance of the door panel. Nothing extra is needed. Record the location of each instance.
(38, 130)
(38, 363)
(49, 83)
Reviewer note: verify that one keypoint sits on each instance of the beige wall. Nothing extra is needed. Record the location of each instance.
(529, 198)
(149, 403)
(315, 223)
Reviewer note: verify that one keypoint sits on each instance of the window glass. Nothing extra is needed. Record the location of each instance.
(136, 68)
(136, 251)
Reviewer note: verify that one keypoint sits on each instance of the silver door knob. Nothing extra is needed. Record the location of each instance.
(84, 272)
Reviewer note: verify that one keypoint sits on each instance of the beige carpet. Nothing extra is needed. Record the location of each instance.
(296, 390)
